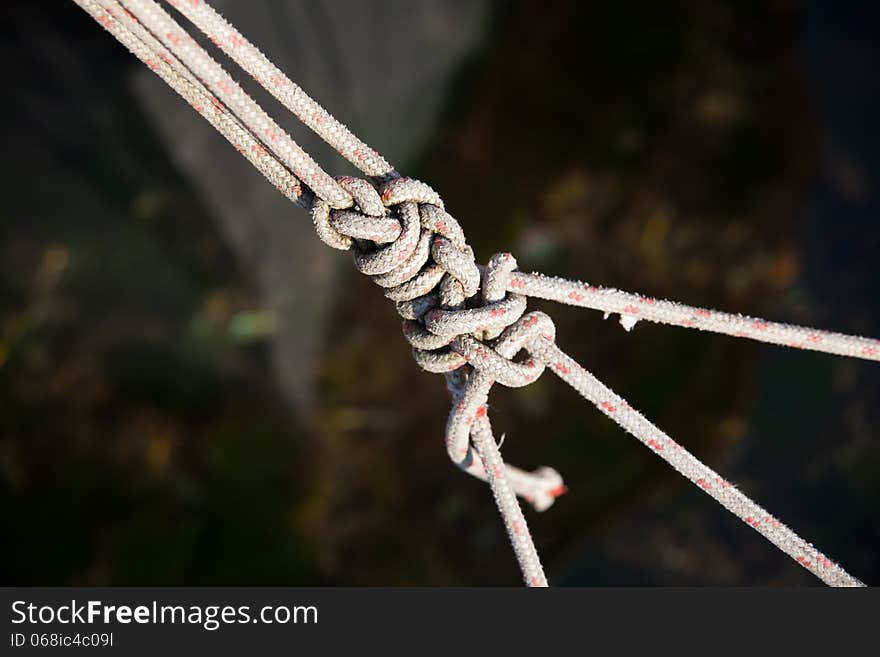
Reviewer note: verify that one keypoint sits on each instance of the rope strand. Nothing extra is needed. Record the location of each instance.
(689, 466)
(634, 307)
(111, 15)
(222, 85)
(273, 79)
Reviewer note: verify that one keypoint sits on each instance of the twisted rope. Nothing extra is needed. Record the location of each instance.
(690, 467)
(128, 31)
(273, 79)
(634, 307)
(461, 320)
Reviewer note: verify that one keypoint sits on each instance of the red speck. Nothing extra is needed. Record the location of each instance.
(687, 322)
(869, 351)
(608, 406)
(772, 521)
(631, 310)
(481, 411)
(529, 322)
(517, 283)
(653, 444)
(517, 527)
(815, 338)
(561, 368)
(497, 312)
(575, 296)
(258, 150)
(702, 312)
(236, 40)
(536, 581)
(648, 300)
(175, 39)
(761, 326)
(441, 227)
(225, 87)
(559, 490)
(702, 483)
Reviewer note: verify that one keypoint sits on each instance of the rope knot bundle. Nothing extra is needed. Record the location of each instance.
(408, 244)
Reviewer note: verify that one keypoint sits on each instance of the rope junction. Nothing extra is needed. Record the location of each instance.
(463, 320)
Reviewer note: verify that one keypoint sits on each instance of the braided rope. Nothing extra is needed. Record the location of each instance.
(635, 307)
(466, 322)
(273, 79)
(689, 466)
(222, 85)
(139, 42)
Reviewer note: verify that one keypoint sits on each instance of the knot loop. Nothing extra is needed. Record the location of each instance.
(408, 244)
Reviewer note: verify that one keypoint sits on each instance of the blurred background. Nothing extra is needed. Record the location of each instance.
(177, 348)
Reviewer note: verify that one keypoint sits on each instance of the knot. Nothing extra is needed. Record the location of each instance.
(491, 364)
(408, 244)
(404, 240)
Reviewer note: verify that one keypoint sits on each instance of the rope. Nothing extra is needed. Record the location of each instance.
(222, 85)
(461, 320)
(270, 77)
(634, 307)
(730, 497)
(146, 48)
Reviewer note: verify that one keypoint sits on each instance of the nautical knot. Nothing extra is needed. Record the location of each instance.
(459, 318)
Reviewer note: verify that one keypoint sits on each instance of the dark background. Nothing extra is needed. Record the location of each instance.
(199, 392)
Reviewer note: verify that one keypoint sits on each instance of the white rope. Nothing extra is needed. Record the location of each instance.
(273, 79)
(689, 466)
(222, 85)
(419, 255)
(634, 307)
(121, 25)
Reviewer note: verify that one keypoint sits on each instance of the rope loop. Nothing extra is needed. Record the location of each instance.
(404, 239)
